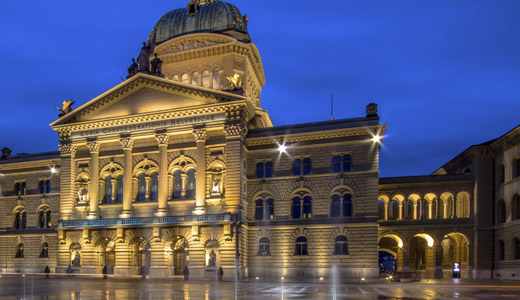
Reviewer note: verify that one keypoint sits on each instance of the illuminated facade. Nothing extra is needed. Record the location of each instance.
(180, 167)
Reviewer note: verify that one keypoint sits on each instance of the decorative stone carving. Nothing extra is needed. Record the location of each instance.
(127, 142)
(200, 134)
(65, 135)
(232, 130)
(65, 108)
(162, 138)
(143, 60)
(93, 146)
(190, 45)
(234, 113)
(235, 82)
(132, 70)
(67, 149)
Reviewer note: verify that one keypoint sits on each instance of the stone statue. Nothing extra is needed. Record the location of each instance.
(132, 70)
(76, 261)
(235, 83)
(156, 64)
(216, 186)
(212, 259)
(65, 108)
(143, 60)
(83, 194)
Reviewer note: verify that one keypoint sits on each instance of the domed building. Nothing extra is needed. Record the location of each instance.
(179, 168)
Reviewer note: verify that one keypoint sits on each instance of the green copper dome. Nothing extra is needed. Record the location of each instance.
(201, 16)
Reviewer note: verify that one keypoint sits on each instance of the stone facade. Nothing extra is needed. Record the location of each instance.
(184, 170)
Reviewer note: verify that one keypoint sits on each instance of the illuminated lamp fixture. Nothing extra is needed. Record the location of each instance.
(282, 148)
(376, 138)
(53, 169)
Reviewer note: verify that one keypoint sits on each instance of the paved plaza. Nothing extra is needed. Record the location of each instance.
(36, 287)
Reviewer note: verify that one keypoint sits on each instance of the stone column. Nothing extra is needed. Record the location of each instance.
(386, 210)
(201, 136)
(114, 190)
(162, 202)
(438, 261)
(405, 259)
(67, 178)
(415, 215)
(148, 183)
(127, 143)
(401, 215)
(94, 147)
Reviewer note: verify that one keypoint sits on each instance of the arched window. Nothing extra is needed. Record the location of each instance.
(190, 184)
(269, 169)
(206, 79)
(185, 78)
(462, 203)
(501, 250)
(307, 207)
(44, 218)
(501, 212)
(395, 209)
(269, 209)
(154, 191)
(341, 163)
(141, 183)
(516, 167)
(108, 189)
(501, 174)
(381, 209)
(216, 79)
(410, 210)
(177, 185)
(120, 189)
(516, 207)
(335, 206)
(263, 247)
(259, 209)
(341, 206)
(296, 208)
(45, 251)
(516, 248)
(19, 251)
(301, 246)
(20, 219)
(195, 78)
(341, 245)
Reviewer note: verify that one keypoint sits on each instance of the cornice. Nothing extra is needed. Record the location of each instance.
(302, 137)
(506, 143)
(30, 164)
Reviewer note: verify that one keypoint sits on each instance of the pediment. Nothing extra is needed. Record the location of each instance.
(144, 94)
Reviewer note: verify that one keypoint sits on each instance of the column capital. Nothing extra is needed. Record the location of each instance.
(127, 142)
(93, 146)
(67, 149)
(200, 134)
(162, 138)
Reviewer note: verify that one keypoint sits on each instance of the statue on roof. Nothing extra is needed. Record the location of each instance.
(156, 64)
(143, 60)
(235, 82)
(65, 108)
(132, 70)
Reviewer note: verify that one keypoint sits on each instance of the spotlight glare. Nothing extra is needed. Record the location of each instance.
(376, 139)
(53, 170)
(282, 148)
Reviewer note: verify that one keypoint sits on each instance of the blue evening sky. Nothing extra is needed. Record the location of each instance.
(445, 73)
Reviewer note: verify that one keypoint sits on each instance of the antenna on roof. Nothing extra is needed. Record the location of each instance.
(332, 106)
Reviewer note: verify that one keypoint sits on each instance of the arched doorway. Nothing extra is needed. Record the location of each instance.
(75, 255)
(179, 255)
(422, 253)
(107, 255)
(455, 248)
(390, 249)
(141, 256)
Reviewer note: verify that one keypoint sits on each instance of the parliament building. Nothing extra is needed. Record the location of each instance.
(179, 168)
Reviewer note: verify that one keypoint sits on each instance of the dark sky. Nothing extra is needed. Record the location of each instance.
(445, 73)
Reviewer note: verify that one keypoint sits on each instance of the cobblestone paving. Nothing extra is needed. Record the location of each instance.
(30, 287)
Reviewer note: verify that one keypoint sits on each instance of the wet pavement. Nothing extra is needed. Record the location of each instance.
(37, 287)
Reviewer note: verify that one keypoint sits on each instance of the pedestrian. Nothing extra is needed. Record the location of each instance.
(47, 271)
(105, 272)
(186, 273)
(144, 272)
(220, 273)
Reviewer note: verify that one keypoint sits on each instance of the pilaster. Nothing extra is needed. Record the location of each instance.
(162, 139)
(67, 177)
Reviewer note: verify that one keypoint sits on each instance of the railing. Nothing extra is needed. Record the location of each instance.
(145, 221)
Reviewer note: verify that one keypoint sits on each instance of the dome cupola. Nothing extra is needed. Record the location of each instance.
(211, 16)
